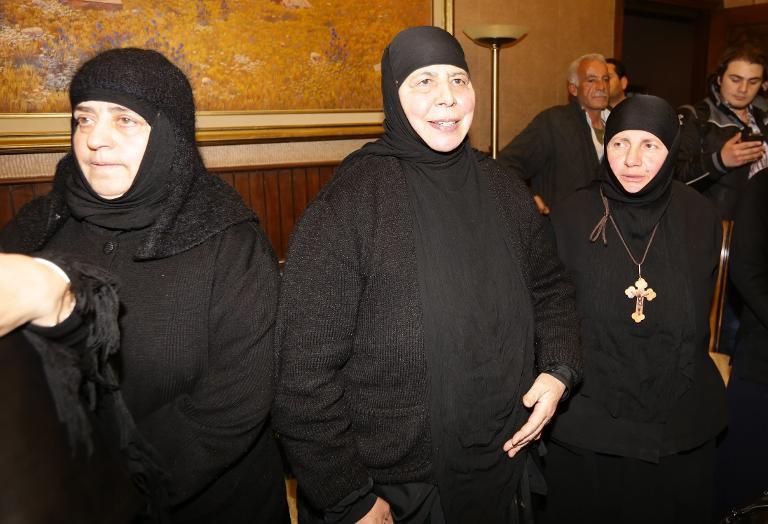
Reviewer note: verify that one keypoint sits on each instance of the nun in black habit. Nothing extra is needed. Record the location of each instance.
(426, 332)
(187, 395)
(635, 442)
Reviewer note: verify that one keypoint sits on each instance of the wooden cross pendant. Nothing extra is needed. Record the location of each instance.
(640, 292)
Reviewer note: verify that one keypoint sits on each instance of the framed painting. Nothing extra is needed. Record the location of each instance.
(261, 70)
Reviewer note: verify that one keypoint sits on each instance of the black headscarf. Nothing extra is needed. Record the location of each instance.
(143, 81)
(656, 116)
(641, 211)
(410, 50)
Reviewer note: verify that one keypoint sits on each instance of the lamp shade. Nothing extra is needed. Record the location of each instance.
(499, 34)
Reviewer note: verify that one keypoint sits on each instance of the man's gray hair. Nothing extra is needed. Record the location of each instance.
(573, 69)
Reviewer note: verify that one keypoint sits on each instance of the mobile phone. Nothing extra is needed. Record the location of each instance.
(747, 135)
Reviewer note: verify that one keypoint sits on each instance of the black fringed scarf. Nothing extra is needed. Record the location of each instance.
(83, 383)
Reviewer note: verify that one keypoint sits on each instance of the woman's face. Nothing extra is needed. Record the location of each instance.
(439, 102)
(109, 143)
(635, 156)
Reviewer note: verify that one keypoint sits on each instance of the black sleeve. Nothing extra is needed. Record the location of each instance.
(353, 507)
(564, 374)
(557, 331)
(528, 154)
(694, 165)
(92, 327)
(75, 353)
(319, 297)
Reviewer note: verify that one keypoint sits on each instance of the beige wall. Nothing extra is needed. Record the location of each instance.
(533, 72)
(740, 3)
(532, 78)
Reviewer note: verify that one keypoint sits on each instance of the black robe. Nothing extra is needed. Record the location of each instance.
(198, 291)
(626, 406)
(352, 402)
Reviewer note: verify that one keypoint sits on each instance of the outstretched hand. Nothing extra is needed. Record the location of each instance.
(31, 292)
(543, 398)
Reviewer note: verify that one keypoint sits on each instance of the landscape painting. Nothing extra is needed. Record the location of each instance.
(240, 55)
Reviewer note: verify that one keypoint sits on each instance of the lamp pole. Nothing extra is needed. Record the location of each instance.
(495, 100)
(495, 36)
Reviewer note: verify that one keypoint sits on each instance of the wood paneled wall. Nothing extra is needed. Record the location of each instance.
(278, 195)
(15, 194)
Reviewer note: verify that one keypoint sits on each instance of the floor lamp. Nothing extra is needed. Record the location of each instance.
(495, 36)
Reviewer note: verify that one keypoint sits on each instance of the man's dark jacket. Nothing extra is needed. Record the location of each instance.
(555, 152)
(706, 127)
(749, 274)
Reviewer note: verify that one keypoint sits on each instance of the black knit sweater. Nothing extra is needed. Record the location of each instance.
(352, 393)
(198, 292)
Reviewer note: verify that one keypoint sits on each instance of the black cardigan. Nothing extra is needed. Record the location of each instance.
(198, 296)
(352, 400)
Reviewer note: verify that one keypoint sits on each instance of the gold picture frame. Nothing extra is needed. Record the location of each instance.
(50, 132)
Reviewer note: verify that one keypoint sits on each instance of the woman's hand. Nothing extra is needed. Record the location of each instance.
(543, 398)
(379, 514)
(31, 292)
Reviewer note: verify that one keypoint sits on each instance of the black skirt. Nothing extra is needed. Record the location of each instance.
(595, 488)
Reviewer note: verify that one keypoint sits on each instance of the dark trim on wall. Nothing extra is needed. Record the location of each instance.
(618, 29)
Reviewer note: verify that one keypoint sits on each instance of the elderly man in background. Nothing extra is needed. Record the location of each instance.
(561, 148)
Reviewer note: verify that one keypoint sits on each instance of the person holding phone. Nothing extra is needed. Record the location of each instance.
(722, 143)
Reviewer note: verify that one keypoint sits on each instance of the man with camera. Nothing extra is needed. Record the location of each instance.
(723, 137)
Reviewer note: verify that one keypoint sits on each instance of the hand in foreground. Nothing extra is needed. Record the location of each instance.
(31, 292)
(543, 398)
(543, 207)
(379, 514)
(736, 153)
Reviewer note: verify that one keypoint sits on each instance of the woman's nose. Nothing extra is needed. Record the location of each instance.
(633, 158)
(445, 94)
(100, 134)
